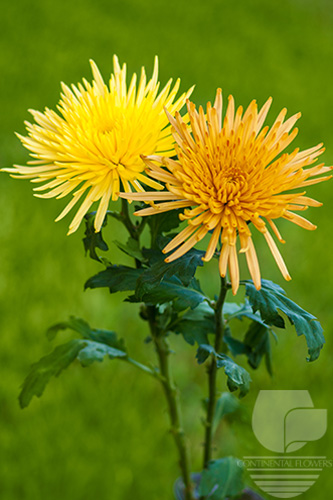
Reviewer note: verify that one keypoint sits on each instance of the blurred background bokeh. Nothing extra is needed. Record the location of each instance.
(101, 433)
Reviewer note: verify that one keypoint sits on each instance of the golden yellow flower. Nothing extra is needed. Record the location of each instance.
(231, 176)
(94, 145)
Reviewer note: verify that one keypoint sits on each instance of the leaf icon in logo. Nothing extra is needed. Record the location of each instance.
(284, 421)
(303, 425)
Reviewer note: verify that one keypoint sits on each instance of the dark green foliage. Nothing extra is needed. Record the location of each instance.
(94, 346)
(203, 352)
(256, 343)
(271, 299)
(77, 324)
(184, 268)
(116, 278)
(163, 223)
(238, 377)
(240, 311)
(96, 351)
(80, 326)
(93, 240)
(131, 248)
(196, 324)
(222, 479)
(169, 290)
(48, 366)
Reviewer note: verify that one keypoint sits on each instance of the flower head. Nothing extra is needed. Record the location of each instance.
(94, 145)
(228, 177)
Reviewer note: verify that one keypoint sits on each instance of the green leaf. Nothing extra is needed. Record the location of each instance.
(203, 353)
(116, 278)
(77, 324)
(222, 479)
(92, 239)
(241, 311)
(255, 345)
(80, 326)
(163, 223)
(258, 345)
(49, 366)
(183, 268)
(171, 290)
(238, 377)
(271, 299)
(231, 308)
(96, 351)
(108, 338)
(131, 248)
(94, 346)
(225, 405)
(195, 324)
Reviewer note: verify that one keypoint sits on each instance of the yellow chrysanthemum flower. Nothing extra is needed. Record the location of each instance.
(94, 145)
(231, 176)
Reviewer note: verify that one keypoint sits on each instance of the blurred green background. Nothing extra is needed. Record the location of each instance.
(102, 432)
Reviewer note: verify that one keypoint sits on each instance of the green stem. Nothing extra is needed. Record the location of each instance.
(164, 375)
(172, 397)
(141, 367)
(212, 373)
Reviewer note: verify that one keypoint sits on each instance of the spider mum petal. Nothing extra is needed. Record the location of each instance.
(235, 176)
(93, 144)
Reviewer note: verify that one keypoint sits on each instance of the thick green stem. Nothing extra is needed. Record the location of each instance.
(172, 397)
(212, 373)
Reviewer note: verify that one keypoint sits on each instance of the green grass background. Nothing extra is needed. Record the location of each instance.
(101, 433)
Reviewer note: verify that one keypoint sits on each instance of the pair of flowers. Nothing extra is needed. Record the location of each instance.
(107, 140)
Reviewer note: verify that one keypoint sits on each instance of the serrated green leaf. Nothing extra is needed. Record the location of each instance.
(238, 377)
(171, 290)
(76, 324)
(108, 338)
(240, 311)
(163, 223)
(193, 331)
(116, 278)
(195, 324)
(81, 326)
(96, 351)
(93, 240)
(86, 351)
(255, 345)
(131, 248)
(235, 346)
(271, 299)
(183, 268)
(258, 345)
(222, 479)
(231, 308)
(49, 366)
(203, 353)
